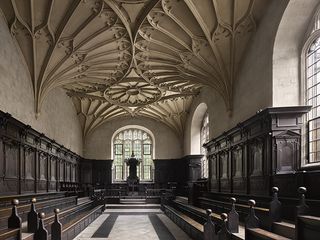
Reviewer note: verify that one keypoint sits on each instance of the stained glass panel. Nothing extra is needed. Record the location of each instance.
(138, 141)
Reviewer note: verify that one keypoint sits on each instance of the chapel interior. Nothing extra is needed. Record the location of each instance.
(160, 119)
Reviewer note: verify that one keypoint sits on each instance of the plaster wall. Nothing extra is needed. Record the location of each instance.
(98, 143)
(58, 119)
(288, 46)
(252, 89)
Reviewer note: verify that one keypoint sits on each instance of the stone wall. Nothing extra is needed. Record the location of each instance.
(58, 119)
(167, 143)
(252, 89)
(287, 52)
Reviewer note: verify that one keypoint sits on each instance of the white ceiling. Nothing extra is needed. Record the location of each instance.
(133, 57)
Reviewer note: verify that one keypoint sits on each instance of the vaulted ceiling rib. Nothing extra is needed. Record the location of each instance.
(121, 58)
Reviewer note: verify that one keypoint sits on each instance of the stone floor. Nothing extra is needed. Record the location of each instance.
(133, 224)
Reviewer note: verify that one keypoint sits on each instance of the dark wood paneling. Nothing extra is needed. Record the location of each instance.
(28, 160)
(259, 153)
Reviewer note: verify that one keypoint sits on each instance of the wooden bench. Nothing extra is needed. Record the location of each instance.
(45, 206)
(190, 226)
(260, 234)
(200, 216)
(78, 224)
(68, 214)
(242, 209)
(10, 234)
(5, 201)
(308, 228)
(284, 228)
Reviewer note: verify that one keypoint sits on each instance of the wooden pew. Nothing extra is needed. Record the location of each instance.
(67, 215)
(45, 206)
(308, 228)
(13, 230)
(68, 231)
(189, 225)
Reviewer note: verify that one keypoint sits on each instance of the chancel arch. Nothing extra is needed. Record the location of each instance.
(133, 141)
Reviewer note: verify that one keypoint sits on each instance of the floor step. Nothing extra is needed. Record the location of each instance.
(133, 201)
(182, 199)
(133, 197)
(132, 206)
(285, 229)
(83, 200)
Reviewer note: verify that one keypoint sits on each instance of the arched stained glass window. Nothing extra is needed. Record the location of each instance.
(204, 137)
(138, 141)
(312, 93)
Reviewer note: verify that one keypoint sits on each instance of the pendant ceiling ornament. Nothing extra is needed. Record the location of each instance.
(121, 58)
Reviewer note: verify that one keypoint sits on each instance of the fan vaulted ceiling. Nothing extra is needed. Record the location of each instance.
(132, 57)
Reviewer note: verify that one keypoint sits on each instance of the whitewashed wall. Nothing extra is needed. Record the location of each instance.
(167, 144)
(253, 85)
(287, 56)
(58, 119)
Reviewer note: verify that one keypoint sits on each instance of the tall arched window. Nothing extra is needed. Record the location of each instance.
(138, 141)
(312, 89)
(204, 138)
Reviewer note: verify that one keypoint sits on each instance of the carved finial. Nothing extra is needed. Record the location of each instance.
(56, 210)
(303, 208)
(41, 215)
(252, 221)
(132, 154)
(209, 212)
(252, 203)
(275, 206)
(275, 190)
(33, 200)
(302, 190)
(15, 202)
(233, 217)
(224, 217)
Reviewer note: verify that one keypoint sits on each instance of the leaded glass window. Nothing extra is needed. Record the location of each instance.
(312, 95)
(204, 137)
(138, 141)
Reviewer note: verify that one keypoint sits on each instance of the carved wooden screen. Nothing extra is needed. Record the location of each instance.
(237, 162)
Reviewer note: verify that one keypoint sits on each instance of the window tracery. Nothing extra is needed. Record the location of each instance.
(312, 90)
(138, 141)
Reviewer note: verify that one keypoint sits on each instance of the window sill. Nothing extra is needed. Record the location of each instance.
(311, 166)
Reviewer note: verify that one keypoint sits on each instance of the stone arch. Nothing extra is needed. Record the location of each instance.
(196, 121)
